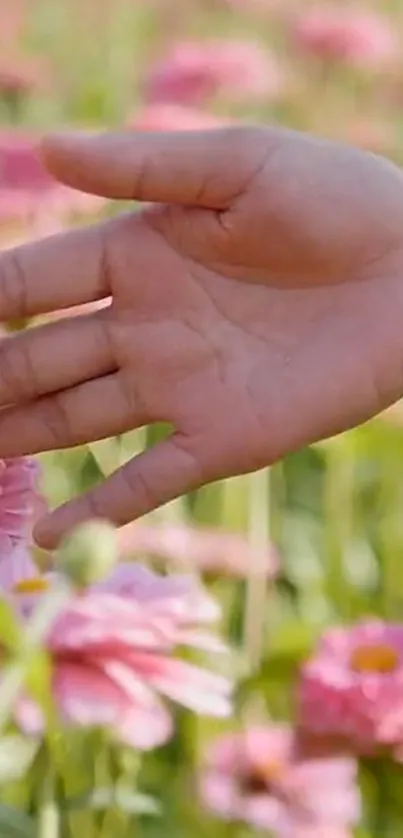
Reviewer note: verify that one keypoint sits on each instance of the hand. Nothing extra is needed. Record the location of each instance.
(257, 306)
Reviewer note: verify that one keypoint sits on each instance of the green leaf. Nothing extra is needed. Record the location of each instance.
(16, 756)
(106, 455)
(294, 640)
(102, 799)
(14, 824)
(10, 629)
(38, 680)
(134, 803)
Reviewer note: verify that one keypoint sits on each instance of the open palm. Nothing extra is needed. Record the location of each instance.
(256, 306)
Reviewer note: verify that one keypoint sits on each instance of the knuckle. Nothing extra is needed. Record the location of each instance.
(140, 486)
(56, 420)
(130, 396)
(188, 458)
(97, 507)
(17, 379)
(141, 179)
(14, 285)
(105, 270)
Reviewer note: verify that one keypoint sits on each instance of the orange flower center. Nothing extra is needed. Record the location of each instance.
(258, 778)
(36, 585)
(378, 657)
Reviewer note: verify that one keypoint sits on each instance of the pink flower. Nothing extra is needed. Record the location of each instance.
(194, 72)
(210, 551)
(20, 75)
(170, 117)
(15, 566)
(17, 78)
(359, 38)
(18, 499)
(352, 688)
(19, 504)
(260, 776)
(114, 653)
(28, 193)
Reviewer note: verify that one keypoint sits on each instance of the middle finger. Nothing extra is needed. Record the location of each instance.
(49, 358)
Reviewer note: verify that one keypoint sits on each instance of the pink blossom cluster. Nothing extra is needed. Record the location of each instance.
(302, 782)
(114, 648)
(263, 776)
(346, 34)
(115, 652)
(212, 551)
(193, 72)
(351, 689)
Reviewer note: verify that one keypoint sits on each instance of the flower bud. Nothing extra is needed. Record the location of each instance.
(89, 553)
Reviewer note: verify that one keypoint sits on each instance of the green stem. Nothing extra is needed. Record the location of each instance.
(389, 532)
(339, 522)
(381, 822)
(14, 675)
(48, 811)
(113, 822)
(257, 586)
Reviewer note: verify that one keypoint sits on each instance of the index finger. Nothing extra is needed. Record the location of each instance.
(63, 270)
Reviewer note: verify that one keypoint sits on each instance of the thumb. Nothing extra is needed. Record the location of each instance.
(156, 476)
(200, 168)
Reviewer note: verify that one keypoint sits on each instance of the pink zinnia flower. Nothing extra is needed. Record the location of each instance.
(194, 72)
(210, 551)
(352, 688)
(28, 193)
(171, 117)
(359, 38)
(261, 777)
(114, 652)
(19, 76)
(19, 500)
(16, 80)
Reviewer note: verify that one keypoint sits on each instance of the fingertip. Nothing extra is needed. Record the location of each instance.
(51, 145)
(52, 151)
(45, 534)
(50, 529)
(177, 165)
(58, 151)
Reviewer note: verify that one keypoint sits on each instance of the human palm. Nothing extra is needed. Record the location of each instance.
(256, 306)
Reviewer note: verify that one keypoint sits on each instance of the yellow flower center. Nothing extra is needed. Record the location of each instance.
(273, 769)
(378, 657)
(36, 585)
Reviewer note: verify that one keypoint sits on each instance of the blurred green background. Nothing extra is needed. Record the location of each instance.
(334, 511)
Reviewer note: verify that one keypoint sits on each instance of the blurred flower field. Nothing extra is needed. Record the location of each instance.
(122, 721)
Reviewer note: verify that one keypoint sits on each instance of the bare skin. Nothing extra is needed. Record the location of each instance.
(257, 305)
